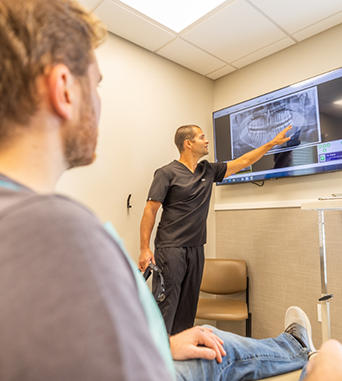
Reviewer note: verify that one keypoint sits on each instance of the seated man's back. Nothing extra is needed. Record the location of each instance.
(68, 296)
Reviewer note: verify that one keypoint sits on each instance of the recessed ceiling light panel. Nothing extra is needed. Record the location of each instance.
(174, 14)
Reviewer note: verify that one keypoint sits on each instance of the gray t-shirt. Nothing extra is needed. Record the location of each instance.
(185, 197)
(69, 305)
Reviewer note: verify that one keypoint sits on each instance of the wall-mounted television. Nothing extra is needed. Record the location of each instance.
(314, 109)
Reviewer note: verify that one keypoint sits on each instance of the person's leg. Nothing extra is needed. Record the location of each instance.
(188, 298)
(246, 359)
(250, 359)
(172, 262)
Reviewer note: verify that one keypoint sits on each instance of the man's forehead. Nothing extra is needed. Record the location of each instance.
(199, 131)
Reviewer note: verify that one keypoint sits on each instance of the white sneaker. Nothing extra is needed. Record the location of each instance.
(298, 325)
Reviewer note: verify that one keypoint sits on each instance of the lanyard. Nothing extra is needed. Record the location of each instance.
(8, 185)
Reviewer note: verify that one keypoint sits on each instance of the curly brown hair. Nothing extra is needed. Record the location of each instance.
(33, 35)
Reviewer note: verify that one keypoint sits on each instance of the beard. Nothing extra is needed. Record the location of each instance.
(81, 137)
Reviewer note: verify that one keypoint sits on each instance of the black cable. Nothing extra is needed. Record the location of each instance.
(259, 185)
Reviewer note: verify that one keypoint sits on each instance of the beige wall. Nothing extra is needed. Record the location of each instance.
(144, 99)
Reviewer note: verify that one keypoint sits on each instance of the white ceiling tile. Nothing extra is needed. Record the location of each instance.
(90, 4)
(239, 32)
(319, 27)
(294, 15)
(221, 72)
(132, 27)
(264, 52)
(234, 32)
(191, 57)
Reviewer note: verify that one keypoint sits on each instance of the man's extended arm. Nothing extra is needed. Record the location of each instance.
(251, 157)
(146, 226)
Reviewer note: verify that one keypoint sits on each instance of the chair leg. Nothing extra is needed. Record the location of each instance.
(249, 325)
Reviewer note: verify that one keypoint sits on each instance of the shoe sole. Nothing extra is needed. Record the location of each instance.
(307, 325)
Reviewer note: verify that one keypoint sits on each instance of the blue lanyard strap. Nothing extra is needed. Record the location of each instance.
(8, 185)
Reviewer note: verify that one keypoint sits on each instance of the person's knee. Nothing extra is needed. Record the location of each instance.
(327, 364)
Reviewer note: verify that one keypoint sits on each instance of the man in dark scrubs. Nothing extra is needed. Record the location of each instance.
(184, 188)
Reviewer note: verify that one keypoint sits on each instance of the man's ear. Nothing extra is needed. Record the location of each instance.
(62, 91)
(187, 143)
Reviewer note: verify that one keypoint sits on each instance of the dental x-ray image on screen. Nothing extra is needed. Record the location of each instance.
(256, 126)
(314, 109)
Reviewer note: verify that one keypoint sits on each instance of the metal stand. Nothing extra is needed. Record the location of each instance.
(326, 332)
(321, 206)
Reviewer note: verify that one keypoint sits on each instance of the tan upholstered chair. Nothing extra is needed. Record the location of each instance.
(224, 277)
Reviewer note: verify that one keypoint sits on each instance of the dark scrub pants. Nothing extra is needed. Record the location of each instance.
(182, 269)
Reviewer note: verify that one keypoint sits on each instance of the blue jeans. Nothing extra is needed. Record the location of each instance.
(246, 359)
